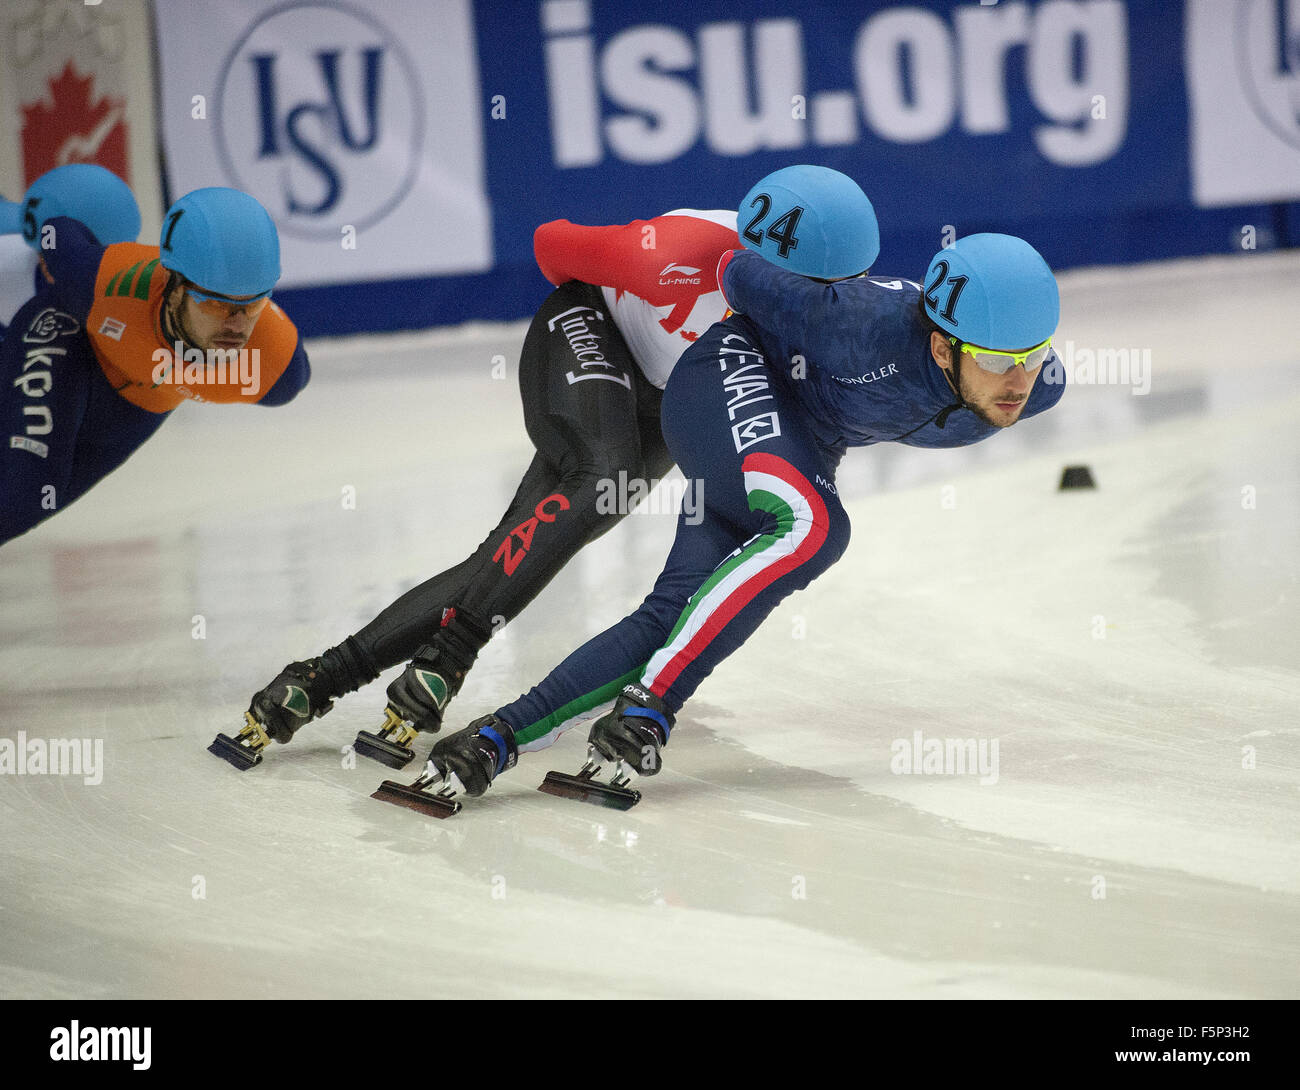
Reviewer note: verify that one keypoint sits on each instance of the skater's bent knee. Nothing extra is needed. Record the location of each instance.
(838, 531)
(822, 537)
(605, 486)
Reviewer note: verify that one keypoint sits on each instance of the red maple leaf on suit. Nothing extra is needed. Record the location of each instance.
(68, 127)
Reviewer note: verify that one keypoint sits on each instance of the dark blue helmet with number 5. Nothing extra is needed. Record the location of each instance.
(994, 291)
(811, 220)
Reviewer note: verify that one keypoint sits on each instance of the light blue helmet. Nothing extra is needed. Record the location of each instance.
(84, 191)
(811, 220)
(994, 291)
(223, 240)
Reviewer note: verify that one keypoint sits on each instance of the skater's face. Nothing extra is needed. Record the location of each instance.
(996, 399)
(207, 326)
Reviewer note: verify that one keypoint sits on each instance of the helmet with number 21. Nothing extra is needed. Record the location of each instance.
(996, 293)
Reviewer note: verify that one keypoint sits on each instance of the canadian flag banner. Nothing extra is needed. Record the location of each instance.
(76, 87)
(70, 125)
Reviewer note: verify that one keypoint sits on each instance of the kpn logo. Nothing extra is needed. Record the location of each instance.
(320, 116)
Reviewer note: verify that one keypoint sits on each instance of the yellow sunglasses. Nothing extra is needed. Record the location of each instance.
(999, 362)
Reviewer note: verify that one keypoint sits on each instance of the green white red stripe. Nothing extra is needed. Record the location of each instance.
(541, 734)
(774, 485)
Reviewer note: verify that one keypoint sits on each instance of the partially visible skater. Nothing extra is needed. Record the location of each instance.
(122, 334)
(86, 192)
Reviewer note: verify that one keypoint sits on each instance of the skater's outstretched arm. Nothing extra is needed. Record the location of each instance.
(667, 261)
(291, 381)
(73, 263)
(632, 256)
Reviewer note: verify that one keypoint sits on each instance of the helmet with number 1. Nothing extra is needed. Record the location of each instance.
(83, 191)
(811, 220)
(223, 241)
(994, 291)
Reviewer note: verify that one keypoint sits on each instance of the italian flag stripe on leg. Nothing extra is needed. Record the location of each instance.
(772, 484)
(541, 734)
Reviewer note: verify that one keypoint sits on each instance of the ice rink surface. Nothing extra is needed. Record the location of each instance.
(1133, 651)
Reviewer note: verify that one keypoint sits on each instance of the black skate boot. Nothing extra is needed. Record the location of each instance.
(635, 730)
(298, 695)
(419, 696)
(475, 756)
(630, 736)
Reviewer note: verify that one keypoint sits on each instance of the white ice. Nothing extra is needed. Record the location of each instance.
(1134, 651)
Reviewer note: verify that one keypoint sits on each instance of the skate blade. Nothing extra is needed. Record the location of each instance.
(415, 799)
(585, 789)
(382, 750)
(242, 757)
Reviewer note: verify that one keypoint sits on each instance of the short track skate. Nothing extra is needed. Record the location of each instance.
(585, 787)
(244, 751)
(424, 795)
(391, 744)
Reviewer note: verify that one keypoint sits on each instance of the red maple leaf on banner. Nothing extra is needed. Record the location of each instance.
(73, 129)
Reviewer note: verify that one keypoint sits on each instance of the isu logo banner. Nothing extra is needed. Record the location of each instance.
(1243, 72)
(306, 126)
(358, 127)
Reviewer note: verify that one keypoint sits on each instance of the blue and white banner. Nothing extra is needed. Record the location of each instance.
(1243, 70)
(356, 126)
(408, 149)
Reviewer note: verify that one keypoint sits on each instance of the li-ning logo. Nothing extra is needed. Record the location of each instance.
(686, 275)
(585, 345)
(310, 101)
